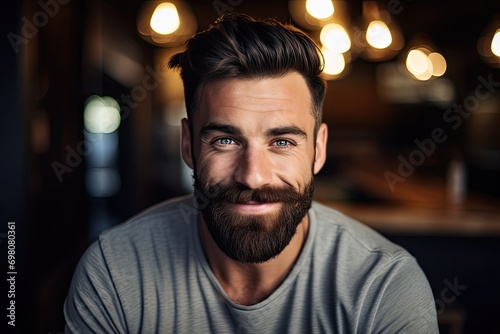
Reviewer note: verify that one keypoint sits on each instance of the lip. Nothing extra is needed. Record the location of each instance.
(255, 208)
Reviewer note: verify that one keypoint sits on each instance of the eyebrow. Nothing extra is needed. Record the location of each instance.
(286, 130)
(233, 130)
(226, 128)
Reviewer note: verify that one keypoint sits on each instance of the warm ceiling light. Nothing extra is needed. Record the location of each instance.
(438, 64)
(488, 45)
(426, 75)
(335, 38)
(320, 9)
(417, 62)
(378, 35)
(424, 64)
(166, 24)
(495, 43)
(334, 62)
(165, 19)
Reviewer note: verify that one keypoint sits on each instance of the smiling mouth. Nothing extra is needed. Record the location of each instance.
(254, 207)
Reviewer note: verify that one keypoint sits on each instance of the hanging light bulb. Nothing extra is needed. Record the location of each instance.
(488, 45)
(166, 24)
(334, 62)
(320, 9)
(423, 63)
(495, 43)
(313, 15)
(417, 62)
(335, 38)
(378, 35)
(438, 64)
(165, 19)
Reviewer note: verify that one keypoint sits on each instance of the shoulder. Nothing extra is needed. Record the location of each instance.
(374, 276)
(333, 224)
(164, 228)
(115, 270)
(173, 214)
(356, 250)
(172, 209)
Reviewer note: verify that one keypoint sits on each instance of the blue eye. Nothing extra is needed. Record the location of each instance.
(282, 143)
(224, 141)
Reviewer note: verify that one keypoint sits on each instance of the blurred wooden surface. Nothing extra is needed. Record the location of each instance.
(419, 205)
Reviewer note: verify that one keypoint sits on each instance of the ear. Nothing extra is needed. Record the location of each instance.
(321, 139)
(186, 149)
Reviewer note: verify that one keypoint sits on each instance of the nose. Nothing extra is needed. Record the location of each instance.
(254, 168)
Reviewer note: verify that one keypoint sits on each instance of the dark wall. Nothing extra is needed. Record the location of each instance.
(464, 274)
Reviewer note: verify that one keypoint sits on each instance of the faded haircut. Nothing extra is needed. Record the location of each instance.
(236, 45)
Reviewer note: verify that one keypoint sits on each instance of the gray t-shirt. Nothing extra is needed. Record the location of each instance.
(150, 275)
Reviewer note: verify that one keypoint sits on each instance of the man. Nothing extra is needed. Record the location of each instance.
(250, 252)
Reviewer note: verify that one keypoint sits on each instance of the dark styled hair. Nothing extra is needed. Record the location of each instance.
(236, 45)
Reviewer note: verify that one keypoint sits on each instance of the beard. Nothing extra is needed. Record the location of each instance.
(252, 238)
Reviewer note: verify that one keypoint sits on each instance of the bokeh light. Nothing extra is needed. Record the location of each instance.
(165, 19)
(320, 9)
(334, 62)
(378, 35)
(101, 114)
(495, 43)
(334, 37)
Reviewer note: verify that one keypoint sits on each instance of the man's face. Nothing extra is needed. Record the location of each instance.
(254, 154)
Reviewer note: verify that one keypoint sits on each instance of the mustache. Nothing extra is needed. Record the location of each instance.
(241, 194)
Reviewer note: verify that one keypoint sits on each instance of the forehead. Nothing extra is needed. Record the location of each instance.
(285, 98)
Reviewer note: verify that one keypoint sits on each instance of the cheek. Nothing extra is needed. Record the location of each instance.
(296, 169)
(214, 168)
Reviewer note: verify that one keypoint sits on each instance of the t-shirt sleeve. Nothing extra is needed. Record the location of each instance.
(92, 304)
(401, 300)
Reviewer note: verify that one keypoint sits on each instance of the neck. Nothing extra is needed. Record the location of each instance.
(249, 284)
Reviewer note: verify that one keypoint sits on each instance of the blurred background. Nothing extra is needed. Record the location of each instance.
(90, 133)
